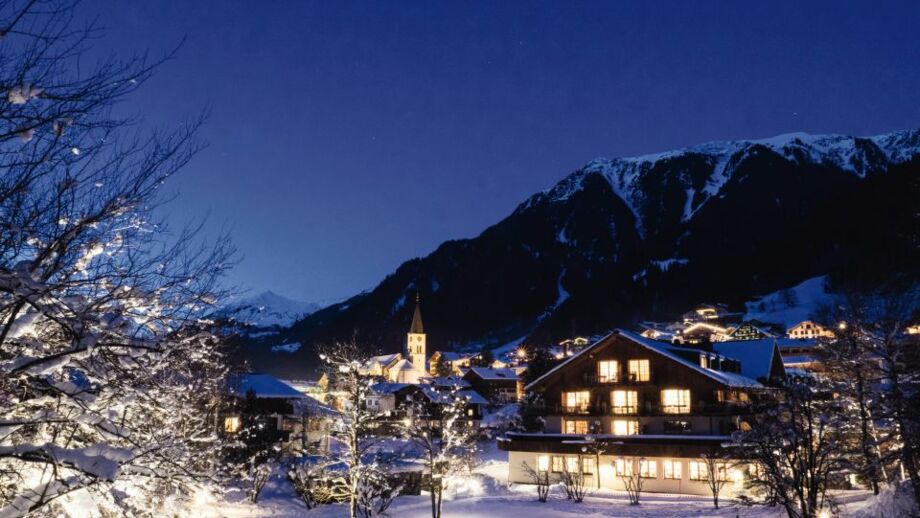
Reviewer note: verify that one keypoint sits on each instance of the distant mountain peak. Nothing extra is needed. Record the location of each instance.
(268, 309)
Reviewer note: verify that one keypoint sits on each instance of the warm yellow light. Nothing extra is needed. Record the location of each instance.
(824, 513)
(841, 326)
(231, 424)
(522, 353)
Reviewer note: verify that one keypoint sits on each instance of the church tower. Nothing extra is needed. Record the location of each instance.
(415, 342)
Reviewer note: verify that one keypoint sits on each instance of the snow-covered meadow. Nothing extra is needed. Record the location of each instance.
(486, 494)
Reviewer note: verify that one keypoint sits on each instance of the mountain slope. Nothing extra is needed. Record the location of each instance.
(641, 238)
(265, 310)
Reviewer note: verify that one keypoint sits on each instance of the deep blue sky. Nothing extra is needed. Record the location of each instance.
(345, 138)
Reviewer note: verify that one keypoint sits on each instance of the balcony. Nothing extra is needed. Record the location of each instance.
(601, 408)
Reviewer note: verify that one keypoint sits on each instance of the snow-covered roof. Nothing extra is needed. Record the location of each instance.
(312, 406)
(446, 381)
(386, 387)
(474, 397)
(403, 365)
(756, 356)
(494, 374)
(264, 386)
(726, 378)
(383, 359)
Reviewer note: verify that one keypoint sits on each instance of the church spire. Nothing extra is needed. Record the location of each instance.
(417, 318)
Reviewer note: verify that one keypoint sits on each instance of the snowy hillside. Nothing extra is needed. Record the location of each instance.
(267, 309)
(793, 305)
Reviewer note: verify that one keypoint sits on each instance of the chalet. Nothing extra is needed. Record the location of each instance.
(700, 333)
(749, 331)
(397, 399)
(808, 330)
(280, 413)
(497, 385)
(637, 398)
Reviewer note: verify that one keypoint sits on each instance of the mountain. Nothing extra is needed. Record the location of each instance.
(631, 239)
(266, 310)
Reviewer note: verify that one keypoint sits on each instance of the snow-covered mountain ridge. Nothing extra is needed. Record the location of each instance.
(626, 176)
(267, 310)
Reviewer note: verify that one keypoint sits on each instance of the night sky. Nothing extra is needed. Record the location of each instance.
(345, 138)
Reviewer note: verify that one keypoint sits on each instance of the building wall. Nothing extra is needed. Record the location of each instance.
(609, 480)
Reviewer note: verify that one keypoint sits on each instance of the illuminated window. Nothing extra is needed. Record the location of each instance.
(698, 470)
(588, 465)
(571, 464)
(648, 468)
(231, 424)
(624, 401)
(543, 463)
(576, 426)
(675, 401)
(558, 463)
(576, 402)
(638, 370)
(624, 467)
(607, 371)
(672, 469)
(625, 427)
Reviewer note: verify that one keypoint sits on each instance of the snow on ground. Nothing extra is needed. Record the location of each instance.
(791, 306)
(487, 494)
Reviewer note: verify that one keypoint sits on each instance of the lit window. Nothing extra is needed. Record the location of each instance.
(624, 467)
(576, 401)
(576, 426)
(638, 370)
(648, 468)
(672, 469)
(624, 401)
(231, 424)
(607, 371)
(543, 463)
(557, 463)
(571, 464)
(698, 470)
(587, 465)
(469, 412)
(675, 401)
(625, 427)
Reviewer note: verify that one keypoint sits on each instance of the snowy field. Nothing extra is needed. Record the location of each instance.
(487, 495)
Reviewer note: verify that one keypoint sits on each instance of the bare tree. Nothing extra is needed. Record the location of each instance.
(795, 442)
(540, 478)
(632, 479)
(716, 473)
(364, 479)
(438, 426)
(108, 376)
(573, 481)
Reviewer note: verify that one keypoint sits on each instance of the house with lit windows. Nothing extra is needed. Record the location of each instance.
(809, 330)
(650, 406)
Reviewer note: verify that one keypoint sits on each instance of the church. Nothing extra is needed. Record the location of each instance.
(414, 367)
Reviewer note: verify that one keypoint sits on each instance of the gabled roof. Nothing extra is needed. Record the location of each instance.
(264, 386)
(475, 398)
(726, 378)
(454, 356)
(756, 356)
(494, 374)
(386, 387)
(403, 365)
(384, 359)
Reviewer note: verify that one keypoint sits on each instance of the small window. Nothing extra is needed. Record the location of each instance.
(558, 463)
(578, 426)
(672, 469)
(698, 470)
(576, 402)
(607, 371)
(638, 370)
(648, 468)
(571, 464)
(625, 427)
(588, 465)
(624, 401)
(677, 426)
(543, 463)
(675, 401)
(231, 424)
(623, 467)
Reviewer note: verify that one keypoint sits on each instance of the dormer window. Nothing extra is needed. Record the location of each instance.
(607, 371)
(638, 370)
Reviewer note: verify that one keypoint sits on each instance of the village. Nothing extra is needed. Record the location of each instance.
(638, 413)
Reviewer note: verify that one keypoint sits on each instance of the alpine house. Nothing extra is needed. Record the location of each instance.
(628, 404)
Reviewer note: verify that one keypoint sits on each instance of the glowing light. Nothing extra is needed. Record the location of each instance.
(521, 352)
(841, 326)
(824, 513)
